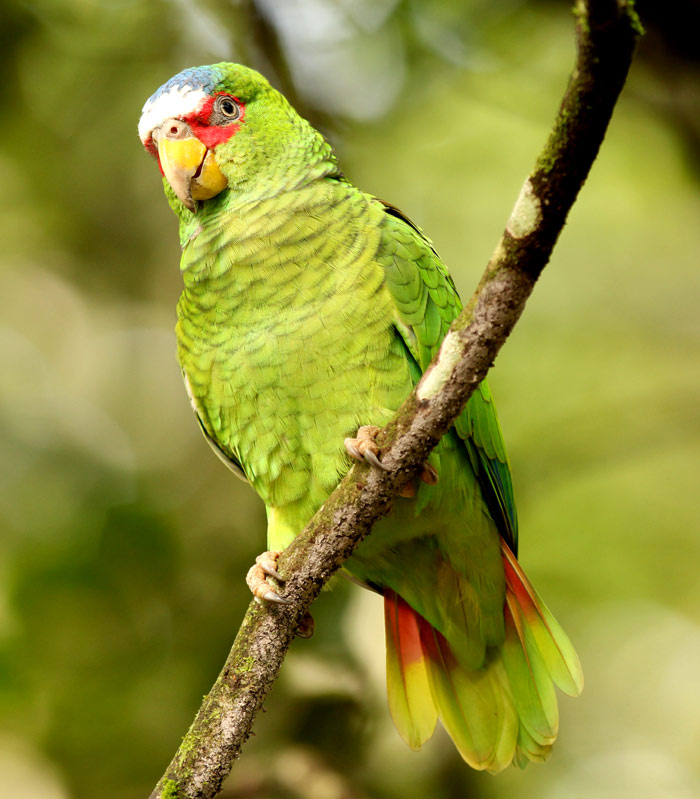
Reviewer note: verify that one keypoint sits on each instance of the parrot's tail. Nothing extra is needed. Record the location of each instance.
(504, 711)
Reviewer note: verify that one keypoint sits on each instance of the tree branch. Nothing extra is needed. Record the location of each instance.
(607, 31)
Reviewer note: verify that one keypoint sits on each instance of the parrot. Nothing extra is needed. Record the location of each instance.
(309, 311)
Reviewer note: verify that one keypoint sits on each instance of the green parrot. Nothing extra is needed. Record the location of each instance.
(309, 312)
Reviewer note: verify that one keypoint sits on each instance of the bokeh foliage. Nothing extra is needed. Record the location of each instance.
(124, 543)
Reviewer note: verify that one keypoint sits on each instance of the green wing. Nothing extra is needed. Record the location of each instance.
(426, 303)
(225, 458)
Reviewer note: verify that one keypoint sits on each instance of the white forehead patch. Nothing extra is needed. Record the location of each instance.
(176, 102)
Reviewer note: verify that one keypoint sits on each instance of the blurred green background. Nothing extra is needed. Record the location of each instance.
(124, 542)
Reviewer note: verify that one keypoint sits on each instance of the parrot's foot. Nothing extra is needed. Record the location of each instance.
(257, 578)
(428, 474)
(364, 447)
(307, 626)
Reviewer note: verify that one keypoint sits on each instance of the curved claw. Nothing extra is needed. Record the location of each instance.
(364, 447)
(272, 596)
(268, 569)
(429, 474)
(257, 578)
(370, 457)
(352, 450)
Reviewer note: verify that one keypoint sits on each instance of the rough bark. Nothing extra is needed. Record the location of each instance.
(607, 31)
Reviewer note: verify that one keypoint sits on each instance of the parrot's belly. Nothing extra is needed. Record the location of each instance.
(280, 397)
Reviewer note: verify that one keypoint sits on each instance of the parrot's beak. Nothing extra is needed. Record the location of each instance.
(189, 167)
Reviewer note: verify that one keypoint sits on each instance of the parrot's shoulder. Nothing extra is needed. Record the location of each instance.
(396, 213)
(422, 289)
(411, 240)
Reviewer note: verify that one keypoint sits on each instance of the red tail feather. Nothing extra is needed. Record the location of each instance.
(503, 710)
(410, 699)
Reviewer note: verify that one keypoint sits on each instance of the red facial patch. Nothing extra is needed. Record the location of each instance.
(150, 147)
(211, 135)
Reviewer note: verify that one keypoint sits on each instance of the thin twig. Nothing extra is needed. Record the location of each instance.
(607, 31)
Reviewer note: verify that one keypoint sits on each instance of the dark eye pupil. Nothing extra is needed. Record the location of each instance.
(228, 107)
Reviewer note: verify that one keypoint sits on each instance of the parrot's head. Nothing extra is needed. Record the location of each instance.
(223, 128)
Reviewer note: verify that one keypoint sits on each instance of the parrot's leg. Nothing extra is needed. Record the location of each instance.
(257, 582)
(365, 448)
(428, 474)
(257, 578)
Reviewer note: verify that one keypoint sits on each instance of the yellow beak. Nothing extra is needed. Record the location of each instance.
(189, 167)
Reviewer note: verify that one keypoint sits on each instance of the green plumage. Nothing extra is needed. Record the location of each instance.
(310, 309)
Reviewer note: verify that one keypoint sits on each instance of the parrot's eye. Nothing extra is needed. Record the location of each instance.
(229, 108)
(225, 110)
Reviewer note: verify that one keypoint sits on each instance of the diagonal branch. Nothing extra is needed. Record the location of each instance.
(607, 31)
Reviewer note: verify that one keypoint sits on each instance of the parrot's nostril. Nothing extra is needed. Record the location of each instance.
(174, 129)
